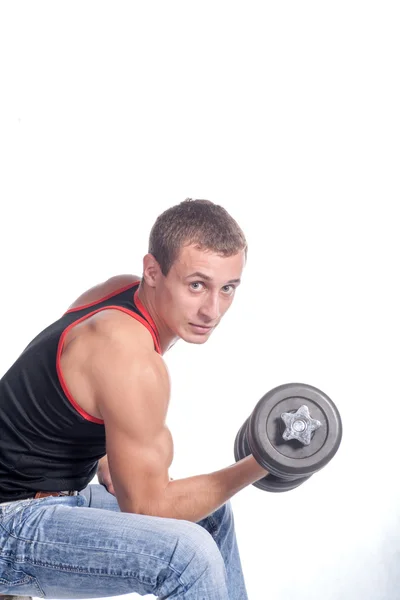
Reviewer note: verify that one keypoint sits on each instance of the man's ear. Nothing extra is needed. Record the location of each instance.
(151, 270)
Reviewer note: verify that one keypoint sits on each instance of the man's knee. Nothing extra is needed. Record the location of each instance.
(198, 543)
(195, 561)
(225, 511)
(223, 515)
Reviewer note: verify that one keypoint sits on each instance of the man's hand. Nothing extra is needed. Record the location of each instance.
(103, 475)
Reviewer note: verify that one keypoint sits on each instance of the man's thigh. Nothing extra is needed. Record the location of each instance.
(71, 549)
(97, 496)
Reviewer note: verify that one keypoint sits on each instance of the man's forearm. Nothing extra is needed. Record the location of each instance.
(194, 498)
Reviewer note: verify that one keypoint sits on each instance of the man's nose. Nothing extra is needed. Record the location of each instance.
(210, 309)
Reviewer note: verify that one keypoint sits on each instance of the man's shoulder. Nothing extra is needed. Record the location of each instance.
(122, 357)
(105, 288)
(115, 345)
(122, 331)
(111, 326)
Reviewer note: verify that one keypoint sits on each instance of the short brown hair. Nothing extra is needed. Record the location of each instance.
(200, 222)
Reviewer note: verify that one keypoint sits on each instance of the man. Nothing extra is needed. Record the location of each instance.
(93, 387)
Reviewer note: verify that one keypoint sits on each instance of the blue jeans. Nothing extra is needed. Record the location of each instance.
(84, 547)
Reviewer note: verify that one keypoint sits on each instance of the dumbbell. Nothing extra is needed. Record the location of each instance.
(294, 431)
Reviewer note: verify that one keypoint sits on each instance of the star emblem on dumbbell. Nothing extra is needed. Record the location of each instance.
(299, 425)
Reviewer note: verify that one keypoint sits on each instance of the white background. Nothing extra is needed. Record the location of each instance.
(287, 114)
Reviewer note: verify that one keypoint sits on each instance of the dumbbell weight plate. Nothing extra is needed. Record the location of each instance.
(269, 483)
(291, 458)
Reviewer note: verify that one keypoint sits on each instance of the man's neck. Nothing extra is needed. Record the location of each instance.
(167, 338)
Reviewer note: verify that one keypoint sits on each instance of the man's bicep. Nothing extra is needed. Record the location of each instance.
(138, 468)
(133, 400)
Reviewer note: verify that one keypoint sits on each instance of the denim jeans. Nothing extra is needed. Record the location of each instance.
(84, 547)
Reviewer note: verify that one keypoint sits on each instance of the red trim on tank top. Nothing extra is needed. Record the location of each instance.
(66, 391)
(115, 293)
(140, 306)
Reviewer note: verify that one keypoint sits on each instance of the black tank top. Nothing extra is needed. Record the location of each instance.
(47, 441)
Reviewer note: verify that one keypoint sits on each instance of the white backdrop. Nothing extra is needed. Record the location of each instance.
(287, 114)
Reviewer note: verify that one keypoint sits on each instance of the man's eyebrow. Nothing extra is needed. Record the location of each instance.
(200, 275)
(208, 278)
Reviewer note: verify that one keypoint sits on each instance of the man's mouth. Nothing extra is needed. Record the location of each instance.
(201, 327)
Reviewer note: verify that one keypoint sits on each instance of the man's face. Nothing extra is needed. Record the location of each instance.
(197, 292)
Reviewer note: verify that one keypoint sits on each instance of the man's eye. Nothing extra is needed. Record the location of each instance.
(196, 285)
(229, 289)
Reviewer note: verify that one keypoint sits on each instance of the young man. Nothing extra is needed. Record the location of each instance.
(93, 387)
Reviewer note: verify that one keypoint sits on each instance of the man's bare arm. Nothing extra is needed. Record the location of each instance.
(132, 391)
(104, 476)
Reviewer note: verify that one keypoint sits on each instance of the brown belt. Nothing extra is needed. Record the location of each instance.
(45, 494)
(42, 495)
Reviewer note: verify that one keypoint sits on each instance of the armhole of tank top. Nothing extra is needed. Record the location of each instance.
(61, 379)
(103, 299)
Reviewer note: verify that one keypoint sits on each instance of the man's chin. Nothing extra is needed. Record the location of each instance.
(196, 338)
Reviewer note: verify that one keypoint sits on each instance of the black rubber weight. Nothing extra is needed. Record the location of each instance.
(269, 483)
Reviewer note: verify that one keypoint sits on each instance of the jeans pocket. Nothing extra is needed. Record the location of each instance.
(16, 582)
(12, 514)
